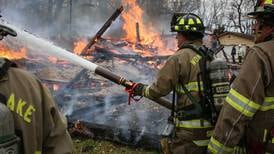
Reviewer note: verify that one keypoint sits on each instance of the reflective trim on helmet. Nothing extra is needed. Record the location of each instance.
(198, 21)
(241, 103)
(182, 22)
(187, 23)
(267, 2)
(191, 21)
(178, 19)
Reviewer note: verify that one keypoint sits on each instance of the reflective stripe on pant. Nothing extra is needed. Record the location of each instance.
(196, 123)
(201, 143)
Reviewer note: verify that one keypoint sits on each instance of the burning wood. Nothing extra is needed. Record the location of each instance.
(79, 129)
(103, 53)
(6, 52)
(103, 29)
(138, 32)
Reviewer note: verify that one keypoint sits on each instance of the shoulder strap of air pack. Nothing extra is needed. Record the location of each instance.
(207, 102)
(193, 47)
(199, 52)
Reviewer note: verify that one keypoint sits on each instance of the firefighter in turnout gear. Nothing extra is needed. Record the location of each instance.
(37, 121)
(248, 111)
(181, 70)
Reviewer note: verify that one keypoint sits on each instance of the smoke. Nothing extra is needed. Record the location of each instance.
(57, 21)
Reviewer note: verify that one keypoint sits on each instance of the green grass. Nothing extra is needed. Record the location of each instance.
(90, 146)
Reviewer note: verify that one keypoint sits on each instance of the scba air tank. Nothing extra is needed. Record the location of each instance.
(8, 140)
(219, 76)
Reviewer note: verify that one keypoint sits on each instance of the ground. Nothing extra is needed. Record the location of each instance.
(90, 146)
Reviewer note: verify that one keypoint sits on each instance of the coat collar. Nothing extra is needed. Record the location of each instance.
(195, 42)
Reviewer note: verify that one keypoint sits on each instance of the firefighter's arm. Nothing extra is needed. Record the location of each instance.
(245, 98)
(166, 79)
(56, 139)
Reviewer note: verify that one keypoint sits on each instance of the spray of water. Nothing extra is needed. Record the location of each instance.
(46, 47)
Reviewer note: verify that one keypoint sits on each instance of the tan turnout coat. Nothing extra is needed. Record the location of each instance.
(42, 127)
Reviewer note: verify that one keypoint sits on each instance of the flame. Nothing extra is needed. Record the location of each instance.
(150, 42)
(79, 45)
(12, 54)
(56, 87)
(52, 59)
(148, 34)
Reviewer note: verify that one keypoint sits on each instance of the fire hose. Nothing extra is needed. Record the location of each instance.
(38, 44)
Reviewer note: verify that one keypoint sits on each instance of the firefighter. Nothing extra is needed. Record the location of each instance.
(181, 69)
(37, 121)
(233, 53)
(241, 54)
(248, 111)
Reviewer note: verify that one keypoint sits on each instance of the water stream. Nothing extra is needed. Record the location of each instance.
(43, 46)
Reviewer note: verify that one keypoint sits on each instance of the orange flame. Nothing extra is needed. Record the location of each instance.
(52, 59)
(79, 45)
(148, 34)
(150, 42)
(56, 87)
(11, 54)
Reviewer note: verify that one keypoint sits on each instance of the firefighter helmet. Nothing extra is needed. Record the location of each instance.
(187, 22)
(263, 9)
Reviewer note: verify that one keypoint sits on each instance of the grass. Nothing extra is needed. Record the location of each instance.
(90, 146)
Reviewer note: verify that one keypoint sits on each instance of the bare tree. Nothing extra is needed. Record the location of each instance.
(183, 5)
(213, 13)
(237, 17)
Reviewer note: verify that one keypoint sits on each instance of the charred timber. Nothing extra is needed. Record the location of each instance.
(130, 137)
(103, 29)
(138, 32)
(102, 52)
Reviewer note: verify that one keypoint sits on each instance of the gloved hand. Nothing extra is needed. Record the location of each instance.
(139, 89)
